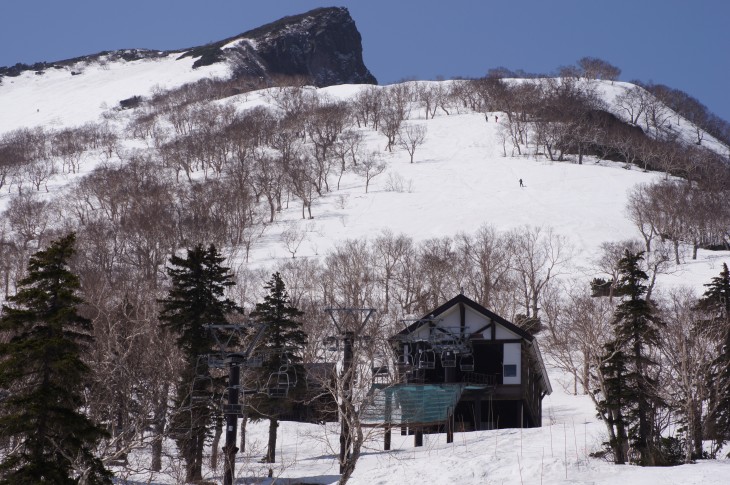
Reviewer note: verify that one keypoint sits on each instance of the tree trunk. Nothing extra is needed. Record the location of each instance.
(691, 428)
(272, 207)
(644, 445)
(676, 250)
(698, 430)
(216, 442)
(158, 428)
(271, 449)
(242, 445)
(348, 466)
(621, 450)
(194, 456)
(549, 150)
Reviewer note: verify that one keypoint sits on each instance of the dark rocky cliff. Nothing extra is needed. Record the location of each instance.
(323, 45)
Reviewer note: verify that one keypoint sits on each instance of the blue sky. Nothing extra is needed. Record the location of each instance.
(684, 44)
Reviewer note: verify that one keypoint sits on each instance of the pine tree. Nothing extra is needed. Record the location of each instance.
(195, 300)
(614, 404)
(283, 341)
(716, 302)
(43, 376)
(636, 331)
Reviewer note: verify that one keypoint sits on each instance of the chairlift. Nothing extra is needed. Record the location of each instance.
(380, 371)
(332, 344)
(405, 360)
(467, 362)
(448, 358)
(291, 372)
(281, 381)
(200, 389)
(278, 385)
(426, 359)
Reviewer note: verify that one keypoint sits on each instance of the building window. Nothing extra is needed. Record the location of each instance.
(510, 370)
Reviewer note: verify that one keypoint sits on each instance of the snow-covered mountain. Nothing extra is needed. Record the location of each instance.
(459, 181)
(462, 177)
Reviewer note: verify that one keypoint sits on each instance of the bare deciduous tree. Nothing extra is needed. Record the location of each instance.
(390, 123)
(595, 68)
(687, 351)
(370, 166)
(292, 237)
(487, 261)
(540, 256)
(410, 137)
(578, 329)
(389, 250)
(633, 103)
(40, 172)
(367, 106)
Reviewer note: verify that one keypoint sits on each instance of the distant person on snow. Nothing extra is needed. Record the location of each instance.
(496, 119)
(521, 184)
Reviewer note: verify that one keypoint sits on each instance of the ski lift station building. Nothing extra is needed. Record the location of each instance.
(463, 367)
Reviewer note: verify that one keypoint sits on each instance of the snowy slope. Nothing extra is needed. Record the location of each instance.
(459, 181)
(556, 453)
(684, 129)
(74, 95)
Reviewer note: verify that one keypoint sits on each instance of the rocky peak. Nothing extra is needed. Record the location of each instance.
(323, 45)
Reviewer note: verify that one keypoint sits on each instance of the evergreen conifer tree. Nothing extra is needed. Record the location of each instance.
(614, 405)
(195, 300)
(716, 301)
(636, 330)
(283, 341)
(42, 374)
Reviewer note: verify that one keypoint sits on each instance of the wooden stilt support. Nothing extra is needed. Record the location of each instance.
(478, 414)
(418, 437)
(450, 428)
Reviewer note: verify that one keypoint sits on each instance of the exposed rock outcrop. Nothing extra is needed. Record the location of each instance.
(323, 45)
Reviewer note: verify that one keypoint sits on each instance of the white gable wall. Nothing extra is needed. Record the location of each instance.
(475, 321)
(450, 319)
(512, 357)
(422, 333)
(504, 334)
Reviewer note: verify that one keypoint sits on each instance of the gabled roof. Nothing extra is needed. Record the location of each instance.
(531, 340)
(428, 318)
